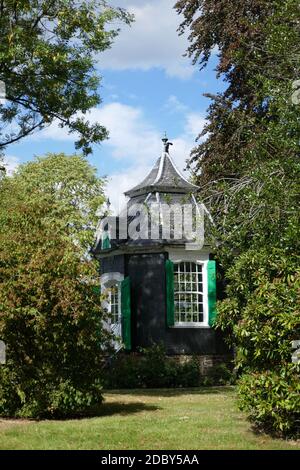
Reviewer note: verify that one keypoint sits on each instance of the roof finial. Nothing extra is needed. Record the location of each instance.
(166, 143)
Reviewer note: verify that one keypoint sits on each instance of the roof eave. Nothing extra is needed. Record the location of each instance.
(161, 189)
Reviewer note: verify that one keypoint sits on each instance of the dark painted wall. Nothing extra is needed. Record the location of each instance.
(148, 304)
(112, 264)
(147, 275)
(148, 288)
(194, 341)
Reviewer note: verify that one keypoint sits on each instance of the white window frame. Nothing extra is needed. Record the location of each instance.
(202, 260)
(108, 280)
(115, 284)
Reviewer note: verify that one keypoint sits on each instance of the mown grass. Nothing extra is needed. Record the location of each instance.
(206, 418)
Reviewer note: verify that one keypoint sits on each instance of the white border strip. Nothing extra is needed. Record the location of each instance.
(160, 170)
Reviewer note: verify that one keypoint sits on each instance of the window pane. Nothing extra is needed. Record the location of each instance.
(188, 290)
(114, 303)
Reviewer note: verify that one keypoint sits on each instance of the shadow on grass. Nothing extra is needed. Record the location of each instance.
(173, 392)
(105, 409)
(108, 409)
(123, 409)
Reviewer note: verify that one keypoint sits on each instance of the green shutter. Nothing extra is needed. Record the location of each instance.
(212, 292)
(170, 292)
(126, 313)
(105, 245)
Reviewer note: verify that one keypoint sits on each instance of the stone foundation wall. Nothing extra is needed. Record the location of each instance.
(206, 362)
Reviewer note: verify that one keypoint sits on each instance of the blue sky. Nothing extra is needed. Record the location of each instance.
(148, 87)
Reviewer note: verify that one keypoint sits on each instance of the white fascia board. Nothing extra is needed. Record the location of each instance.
(160, 170)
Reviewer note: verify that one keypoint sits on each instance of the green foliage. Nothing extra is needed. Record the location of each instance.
(262, 317)
(50, 315)
(48, 53)
(272, 399)
(249, 170)
(220, 374)
(74, 184)
(152, 368)
(262, 312)
(40, 395)
(236, 29)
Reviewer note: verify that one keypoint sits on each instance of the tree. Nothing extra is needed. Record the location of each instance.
(73, 183)
(240, 32)
(50, 313)
(250, 176)
(48, 52)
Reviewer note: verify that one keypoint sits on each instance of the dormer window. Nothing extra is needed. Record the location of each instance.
(105, 238)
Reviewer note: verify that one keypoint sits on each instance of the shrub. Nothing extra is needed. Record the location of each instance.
(220, 374)
(272, 399)
(123, 372)
(40, 397)
(152, 368)
(262, 317)
(50, 315)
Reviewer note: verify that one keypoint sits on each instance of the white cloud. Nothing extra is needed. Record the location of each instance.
(136, 142)
(181, 150)
(195, 123)
(152, 41)
(11, 163)
(53, 132)
(120, 182)
(131, 137)
(174, 105)
(139, 144)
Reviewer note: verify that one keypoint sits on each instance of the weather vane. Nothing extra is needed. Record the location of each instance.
(166, 143)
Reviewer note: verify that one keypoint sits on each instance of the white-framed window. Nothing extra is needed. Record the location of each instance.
(111, 289)
(189, 294)
(115, 303)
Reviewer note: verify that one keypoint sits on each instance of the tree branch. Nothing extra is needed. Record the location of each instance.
(20, 136)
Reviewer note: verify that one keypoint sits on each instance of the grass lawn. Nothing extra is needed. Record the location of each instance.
(148, 419)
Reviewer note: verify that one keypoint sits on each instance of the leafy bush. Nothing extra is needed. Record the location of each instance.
(247, 165)
(272, 399)
(47, 397)
(152, 368)
(220, 374)
(50, 315)
(261, 317)
(122, 372)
